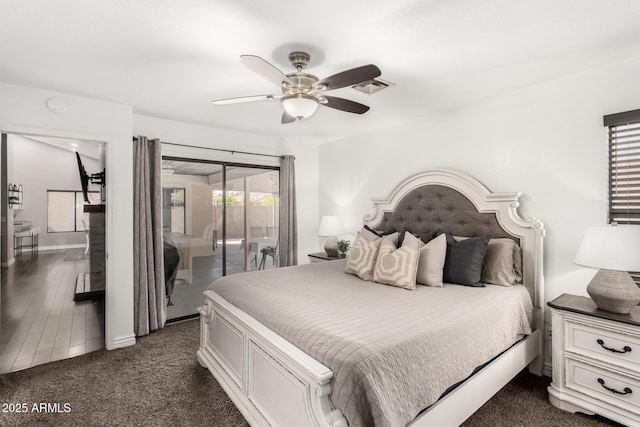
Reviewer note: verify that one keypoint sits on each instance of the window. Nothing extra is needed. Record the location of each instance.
(624, 167)
(173, 210)
(65, 210)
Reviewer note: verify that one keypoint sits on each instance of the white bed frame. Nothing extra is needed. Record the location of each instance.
(272, 382)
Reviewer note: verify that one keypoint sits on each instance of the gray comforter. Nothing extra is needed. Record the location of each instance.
(393, 352)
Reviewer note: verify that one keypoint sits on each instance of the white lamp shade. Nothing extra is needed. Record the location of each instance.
(610, 247)
(330, 226)
(300, 105)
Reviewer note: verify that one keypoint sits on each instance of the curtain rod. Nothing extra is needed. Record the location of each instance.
(218, 149)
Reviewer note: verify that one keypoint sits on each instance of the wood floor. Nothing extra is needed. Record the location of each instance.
(39, 321)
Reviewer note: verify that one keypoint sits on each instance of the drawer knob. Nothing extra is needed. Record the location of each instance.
(626, 390)
(625, 349)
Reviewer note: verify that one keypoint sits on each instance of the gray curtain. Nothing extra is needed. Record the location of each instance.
(150, 309)
(288, 244)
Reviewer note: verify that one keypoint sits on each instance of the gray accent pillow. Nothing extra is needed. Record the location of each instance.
(517, 262)
(500, 263)
(463, 265)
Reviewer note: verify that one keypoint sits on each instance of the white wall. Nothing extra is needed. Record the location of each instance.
(305, 151)
(40, 167)
(23, 111)
(546, 141)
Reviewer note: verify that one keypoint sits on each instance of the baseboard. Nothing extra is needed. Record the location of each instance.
(547, 371)
(124, 341)
(57, 247)
(8, 263)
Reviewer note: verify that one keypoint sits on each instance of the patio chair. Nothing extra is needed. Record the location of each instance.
(271, 251)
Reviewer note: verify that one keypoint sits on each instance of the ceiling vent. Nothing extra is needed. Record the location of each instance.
(372, 86)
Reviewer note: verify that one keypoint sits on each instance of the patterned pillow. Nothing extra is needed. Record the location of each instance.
(362, 258)
(398, 266)
(431, 262)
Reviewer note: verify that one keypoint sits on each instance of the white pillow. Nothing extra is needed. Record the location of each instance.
(397, 266)
(431, 261)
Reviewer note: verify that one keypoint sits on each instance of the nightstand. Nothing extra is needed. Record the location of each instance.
(596, 360)
(321, 257)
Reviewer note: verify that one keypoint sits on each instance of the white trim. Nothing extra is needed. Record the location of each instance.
(9, 263)
(203, 153)
(112, 304)
(124, 341)
(57, 247)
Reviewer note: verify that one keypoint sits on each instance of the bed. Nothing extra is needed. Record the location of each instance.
(321, 368)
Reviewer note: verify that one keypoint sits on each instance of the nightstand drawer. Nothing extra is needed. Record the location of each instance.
(606, 345)
(616, 389)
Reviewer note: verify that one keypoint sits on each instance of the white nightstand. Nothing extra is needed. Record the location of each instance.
(321, 257)
(596, 360)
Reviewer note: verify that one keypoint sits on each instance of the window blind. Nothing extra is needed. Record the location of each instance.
(624, 167)
(624, 170)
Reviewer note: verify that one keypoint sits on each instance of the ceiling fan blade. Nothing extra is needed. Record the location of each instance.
(265, 69)
(241, 99)
(286, 118)
(350, 77)
(345, 105)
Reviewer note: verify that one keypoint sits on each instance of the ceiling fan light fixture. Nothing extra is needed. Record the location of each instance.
(300, 105)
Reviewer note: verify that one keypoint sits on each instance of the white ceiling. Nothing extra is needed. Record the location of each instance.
(91, 149)
(170, 58)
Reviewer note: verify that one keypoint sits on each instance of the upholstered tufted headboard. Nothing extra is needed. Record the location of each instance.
(432, 207)
(460, 205)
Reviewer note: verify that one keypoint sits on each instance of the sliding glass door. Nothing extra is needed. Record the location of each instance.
(223, 220)
(251, 214)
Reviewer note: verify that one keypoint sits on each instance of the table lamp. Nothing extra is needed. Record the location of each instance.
(331, 227)
(615, 250)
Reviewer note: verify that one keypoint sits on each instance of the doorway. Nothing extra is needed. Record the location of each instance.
(44, 251)
(223, 219)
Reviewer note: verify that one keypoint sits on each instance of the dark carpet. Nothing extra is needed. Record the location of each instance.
(158, 382)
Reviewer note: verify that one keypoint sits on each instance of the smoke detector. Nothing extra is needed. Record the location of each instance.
(56, 105)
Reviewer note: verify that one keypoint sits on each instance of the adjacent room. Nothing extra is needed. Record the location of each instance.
(52, 282)
(255, 213)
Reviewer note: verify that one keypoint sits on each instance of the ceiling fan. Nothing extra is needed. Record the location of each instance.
(302, 93)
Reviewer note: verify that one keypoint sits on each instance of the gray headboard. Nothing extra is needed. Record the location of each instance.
(432, 207)
(459, 204)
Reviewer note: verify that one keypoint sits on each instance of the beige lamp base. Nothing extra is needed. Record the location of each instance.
(330, 246)
(614, 291)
